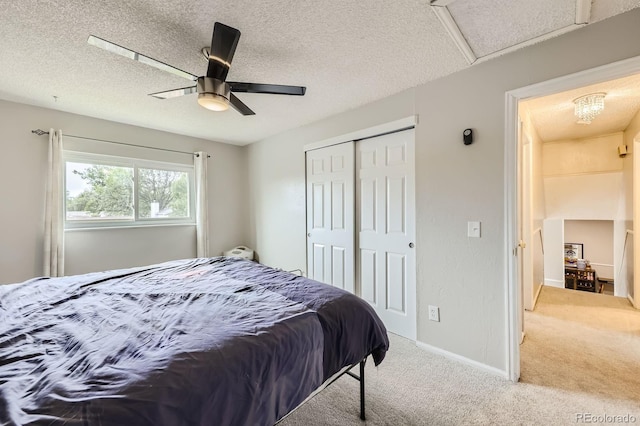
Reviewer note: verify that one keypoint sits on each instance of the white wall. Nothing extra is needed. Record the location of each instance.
(582, 156)
(554, 252)
(583, 178)
(596, 236)
(22, 172)
(632, 211)
(587, 196)
(455, 183)
(104, 249)
(631, 133)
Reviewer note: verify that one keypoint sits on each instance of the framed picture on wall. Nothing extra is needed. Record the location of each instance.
(573, 252)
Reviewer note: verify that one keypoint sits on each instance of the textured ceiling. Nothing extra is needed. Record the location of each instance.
(488, 26)
(553, 116)
(347, 53)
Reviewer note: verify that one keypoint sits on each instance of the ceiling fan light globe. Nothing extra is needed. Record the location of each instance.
(213, 102)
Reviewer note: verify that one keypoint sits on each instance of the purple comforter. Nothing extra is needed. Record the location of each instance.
(200, 341)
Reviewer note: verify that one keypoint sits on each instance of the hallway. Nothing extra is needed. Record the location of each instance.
(583, 342)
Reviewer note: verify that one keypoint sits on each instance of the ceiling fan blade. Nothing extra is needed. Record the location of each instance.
(272, 89)
(174, 93)
(223, 45)
(239, 106)
(128, 53)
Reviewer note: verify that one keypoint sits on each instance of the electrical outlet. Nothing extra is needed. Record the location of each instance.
(434, 313)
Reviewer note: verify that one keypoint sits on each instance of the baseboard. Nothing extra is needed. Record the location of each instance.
(631, 300)
(554, 283)
(535, 298)
(463, 360)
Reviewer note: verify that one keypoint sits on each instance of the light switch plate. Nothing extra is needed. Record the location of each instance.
(473, 229)
(434, 313)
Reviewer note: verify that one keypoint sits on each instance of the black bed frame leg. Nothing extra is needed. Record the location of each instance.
(359, 378)
(362, 416)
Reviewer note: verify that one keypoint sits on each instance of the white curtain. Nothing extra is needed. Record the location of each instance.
(53, 216)
(202, 212)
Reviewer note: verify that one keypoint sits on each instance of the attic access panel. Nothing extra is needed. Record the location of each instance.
(492, 25)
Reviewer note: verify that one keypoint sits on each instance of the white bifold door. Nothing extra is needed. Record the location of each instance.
(361, 224)
(330, 215)
(386, 260)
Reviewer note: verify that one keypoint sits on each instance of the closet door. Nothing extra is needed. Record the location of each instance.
(330, 215)
(386, 269)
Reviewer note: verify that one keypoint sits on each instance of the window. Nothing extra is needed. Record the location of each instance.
(116, 191)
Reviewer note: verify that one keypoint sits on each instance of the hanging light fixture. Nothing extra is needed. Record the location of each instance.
(588, 106)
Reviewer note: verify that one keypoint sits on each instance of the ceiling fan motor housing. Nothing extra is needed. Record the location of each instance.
(212, 89)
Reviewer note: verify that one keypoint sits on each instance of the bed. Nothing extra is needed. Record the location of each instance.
(220, 341)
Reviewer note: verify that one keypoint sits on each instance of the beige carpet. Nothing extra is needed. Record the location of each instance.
(583, 342)
(577, 358)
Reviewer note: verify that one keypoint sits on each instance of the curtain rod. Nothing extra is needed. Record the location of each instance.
(41, 132)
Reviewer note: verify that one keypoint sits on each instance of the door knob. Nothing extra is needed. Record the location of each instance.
(309, 235)
(410, 245)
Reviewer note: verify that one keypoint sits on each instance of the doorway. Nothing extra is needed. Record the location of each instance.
(516, 245)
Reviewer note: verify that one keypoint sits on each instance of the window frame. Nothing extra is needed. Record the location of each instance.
(135, 164)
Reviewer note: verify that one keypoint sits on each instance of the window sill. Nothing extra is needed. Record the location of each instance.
(136, 226)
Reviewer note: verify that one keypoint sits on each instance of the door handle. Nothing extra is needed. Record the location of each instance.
(410, 245)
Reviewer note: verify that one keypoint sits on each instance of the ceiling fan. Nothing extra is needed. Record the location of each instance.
(214, 92)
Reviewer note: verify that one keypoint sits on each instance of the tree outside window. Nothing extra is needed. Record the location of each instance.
(100, 192)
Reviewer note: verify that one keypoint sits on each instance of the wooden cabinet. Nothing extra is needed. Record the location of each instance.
(581, 279)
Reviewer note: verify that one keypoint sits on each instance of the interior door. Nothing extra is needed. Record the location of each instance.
(385, 195)
(520, 229)
(330, 215)
(527, 226)
(633, 279)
